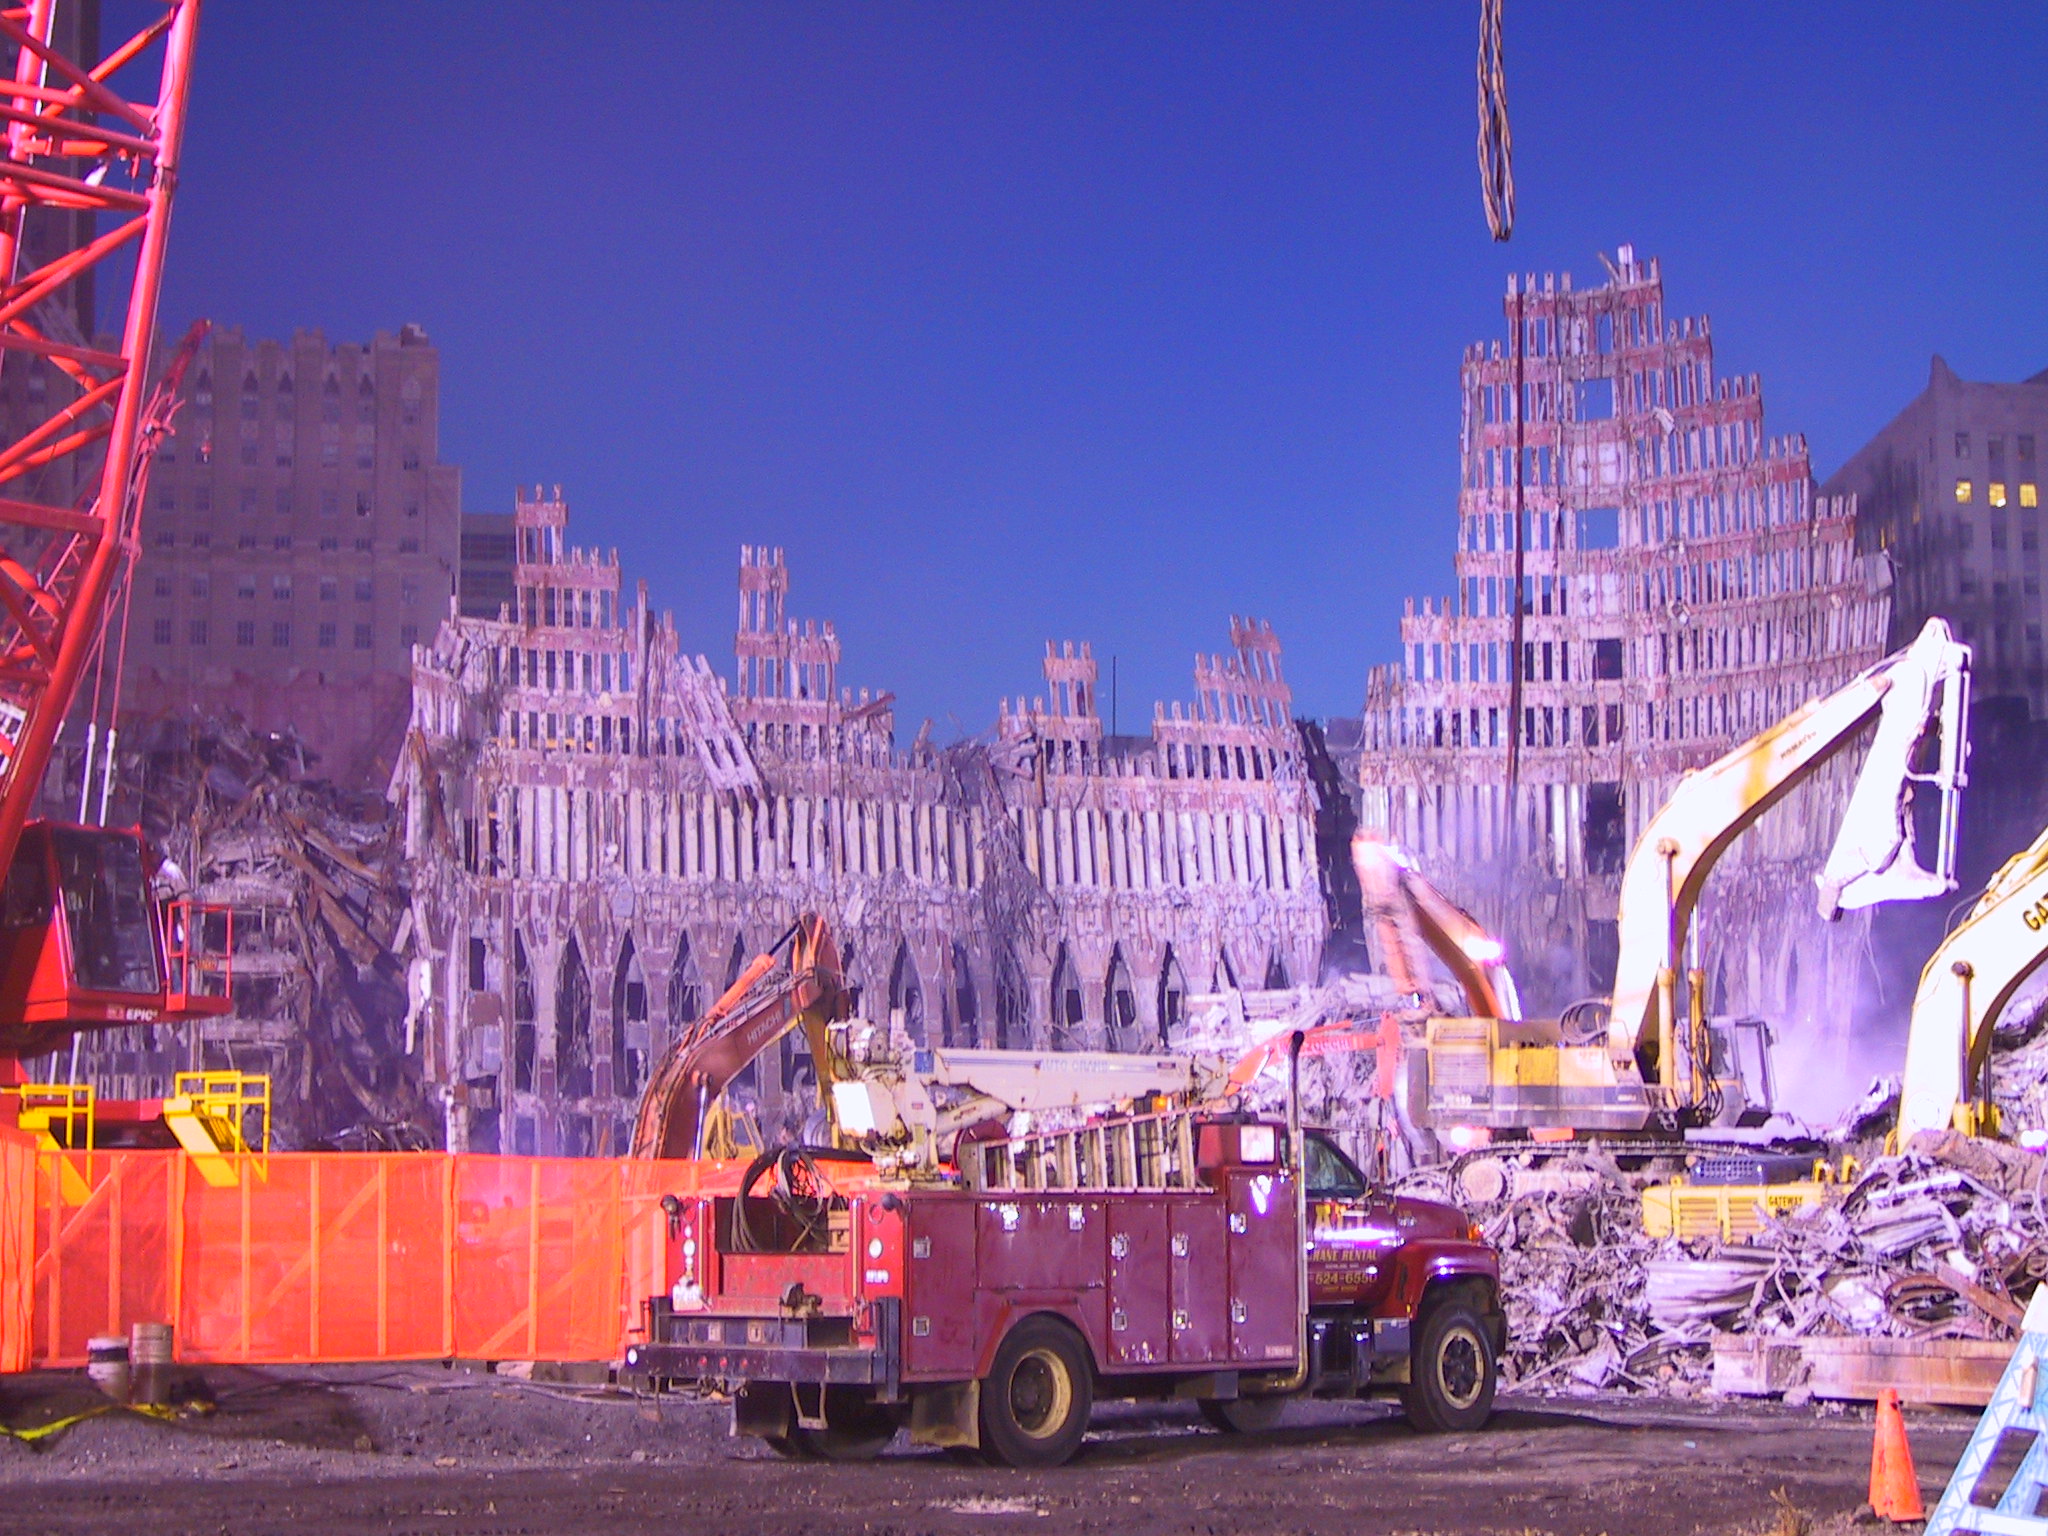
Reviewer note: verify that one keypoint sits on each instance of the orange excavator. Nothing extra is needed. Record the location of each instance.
(794, 984)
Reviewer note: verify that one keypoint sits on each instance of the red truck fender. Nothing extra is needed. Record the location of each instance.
(1424, 1262)
(1013, 1307)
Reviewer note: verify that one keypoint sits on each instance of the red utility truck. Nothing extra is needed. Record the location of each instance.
(1143, 1256)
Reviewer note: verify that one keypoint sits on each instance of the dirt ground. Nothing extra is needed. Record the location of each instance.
(429, 1449)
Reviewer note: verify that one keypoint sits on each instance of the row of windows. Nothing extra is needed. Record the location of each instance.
(282, 502)
(326, 637)
(281, 588)
(1995, 493)
(329, 544)
(1994, 447)
(286, 453)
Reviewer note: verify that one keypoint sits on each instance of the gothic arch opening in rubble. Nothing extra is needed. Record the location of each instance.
(906, 996)
(573, 1049)
(629, 1022)
(1013, 1002)
(1173, 997)
(1276, 974)
(1120, 1003)
(960, 1028)
(685, 988)
(746, 1082)
(525, 1038)
(1225, 978)
(1067, 1007)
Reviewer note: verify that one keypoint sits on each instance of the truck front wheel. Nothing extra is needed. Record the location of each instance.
(1036, 1400)
(1452, 1370)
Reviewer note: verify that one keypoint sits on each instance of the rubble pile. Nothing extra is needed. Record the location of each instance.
(312, 876)
(1946, 1241)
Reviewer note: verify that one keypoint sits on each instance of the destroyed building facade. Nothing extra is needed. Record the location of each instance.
(601, 832)
(1683, 587)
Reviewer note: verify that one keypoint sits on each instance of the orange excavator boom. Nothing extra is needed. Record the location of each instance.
(795, 983)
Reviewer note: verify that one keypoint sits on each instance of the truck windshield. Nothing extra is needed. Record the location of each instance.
(1330, 1173)
(107, 910)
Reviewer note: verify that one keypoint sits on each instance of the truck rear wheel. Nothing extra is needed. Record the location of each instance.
(1452, 1371)
(1036, 1400)
(1243, 1415)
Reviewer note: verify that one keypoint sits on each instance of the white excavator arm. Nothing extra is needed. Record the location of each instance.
(1873, 858)
(1966, 985)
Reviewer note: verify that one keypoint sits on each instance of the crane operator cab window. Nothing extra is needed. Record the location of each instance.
(107, 910)
(104, 891)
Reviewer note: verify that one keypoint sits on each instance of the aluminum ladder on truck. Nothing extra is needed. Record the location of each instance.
(1138, 1152)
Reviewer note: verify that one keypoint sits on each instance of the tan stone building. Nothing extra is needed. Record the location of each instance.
(301, 537)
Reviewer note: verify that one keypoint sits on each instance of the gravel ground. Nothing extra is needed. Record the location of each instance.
(428, 1449)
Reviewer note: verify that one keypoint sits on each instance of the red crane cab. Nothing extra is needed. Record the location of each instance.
(84, 943)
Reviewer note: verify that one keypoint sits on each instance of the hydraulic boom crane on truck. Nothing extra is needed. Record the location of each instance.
(983, 1289)
(1653, 1065)
(83, 942)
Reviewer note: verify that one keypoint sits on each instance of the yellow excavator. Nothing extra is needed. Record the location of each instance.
(1968, 981)
(1656, 1063)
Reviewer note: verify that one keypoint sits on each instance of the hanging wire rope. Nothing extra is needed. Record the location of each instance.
(1496, 143)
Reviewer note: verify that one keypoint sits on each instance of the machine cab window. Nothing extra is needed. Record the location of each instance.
(1331, 1175)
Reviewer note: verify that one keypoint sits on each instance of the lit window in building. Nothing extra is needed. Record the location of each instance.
(1963, 491)
(2030, 494)
(1995, 493)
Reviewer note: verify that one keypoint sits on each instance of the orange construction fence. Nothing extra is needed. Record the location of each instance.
(303, 1257)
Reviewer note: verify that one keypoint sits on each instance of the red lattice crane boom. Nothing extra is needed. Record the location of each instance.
(85, 152)
(77, 144)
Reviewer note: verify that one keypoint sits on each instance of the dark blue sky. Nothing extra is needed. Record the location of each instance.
(1096, 321)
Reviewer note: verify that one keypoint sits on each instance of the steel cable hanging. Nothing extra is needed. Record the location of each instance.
(1496, 143)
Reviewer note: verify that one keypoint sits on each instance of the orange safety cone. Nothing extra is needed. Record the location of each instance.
(1894, 1486)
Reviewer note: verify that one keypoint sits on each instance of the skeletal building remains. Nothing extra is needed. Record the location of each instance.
(601, 831)
(1682, 587)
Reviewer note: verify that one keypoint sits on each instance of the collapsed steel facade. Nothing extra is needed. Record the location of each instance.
(1683, 586)
(601, 831)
